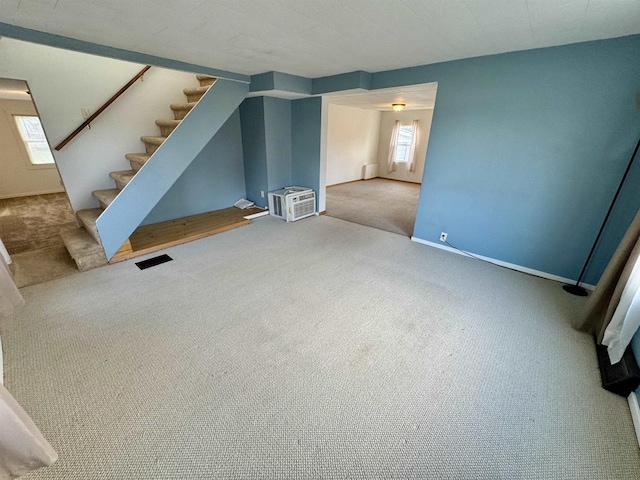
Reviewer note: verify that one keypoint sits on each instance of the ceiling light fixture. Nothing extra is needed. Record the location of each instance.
(398, 106)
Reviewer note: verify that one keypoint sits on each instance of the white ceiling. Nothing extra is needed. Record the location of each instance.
(415, 97)
(13, 89)
(323, 37)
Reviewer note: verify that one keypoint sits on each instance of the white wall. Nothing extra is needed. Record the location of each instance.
(386, 127)
(324, 132)
(19, 177)
(63, 82)
(352, 141)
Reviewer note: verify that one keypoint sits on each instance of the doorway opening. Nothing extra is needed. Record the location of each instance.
(34, 206)
(376, 155)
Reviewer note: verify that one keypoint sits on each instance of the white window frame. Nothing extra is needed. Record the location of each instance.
(24, 141)
(406, 145)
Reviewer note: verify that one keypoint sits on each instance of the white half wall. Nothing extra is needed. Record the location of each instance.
(63, 82)
(19, 177)
(352, 141)
(324, 132)
(386, 127)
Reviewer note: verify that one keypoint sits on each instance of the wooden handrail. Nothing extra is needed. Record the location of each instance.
(101, 109)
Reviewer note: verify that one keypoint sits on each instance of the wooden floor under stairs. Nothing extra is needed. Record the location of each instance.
(157, 236)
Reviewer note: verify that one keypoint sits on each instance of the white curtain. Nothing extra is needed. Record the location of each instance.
(10, 298)
(22, 446)
(393, 146)
(626, 318)
(412, 150)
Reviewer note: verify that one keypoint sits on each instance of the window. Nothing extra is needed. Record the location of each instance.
(35, 142)
(405, 135)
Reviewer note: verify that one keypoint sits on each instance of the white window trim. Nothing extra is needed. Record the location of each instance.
(23, 150)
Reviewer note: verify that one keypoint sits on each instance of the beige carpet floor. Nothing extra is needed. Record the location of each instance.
(30, 230)
(32, 223)
(319, 349)
(385, 204)
(42, 265)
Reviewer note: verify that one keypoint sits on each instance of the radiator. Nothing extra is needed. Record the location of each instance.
(369, 171)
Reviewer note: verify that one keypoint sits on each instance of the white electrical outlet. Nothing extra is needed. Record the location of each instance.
(443, 236)
(262, 193)
(86, 113)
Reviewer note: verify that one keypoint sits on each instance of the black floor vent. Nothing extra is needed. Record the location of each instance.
(152, 262)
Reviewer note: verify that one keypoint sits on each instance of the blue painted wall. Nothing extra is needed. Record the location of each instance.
(623, 213)
(342, 81)
(254, 149)
(277, 122)
(292, 83)
(266, 140)
(526, 151)
(280, 81)
(139, 197)
(213, 181)
(306, 120)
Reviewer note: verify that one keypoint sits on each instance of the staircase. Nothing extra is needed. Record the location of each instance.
(84, 243)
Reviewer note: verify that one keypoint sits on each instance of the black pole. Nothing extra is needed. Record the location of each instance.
(577, 289)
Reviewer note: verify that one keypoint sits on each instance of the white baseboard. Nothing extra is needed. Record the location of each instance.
(513, 266)
(30, 194)
(256, 215)
(635, 413)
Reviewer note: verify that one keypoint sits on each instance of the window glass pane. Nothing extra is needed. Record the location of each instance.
(34, 140)
(405, 134)
(39, 153)
(401, 153)
(30, 128)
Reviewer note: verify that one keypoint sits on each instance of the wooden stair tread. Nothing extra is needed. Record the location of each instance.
(157, 236)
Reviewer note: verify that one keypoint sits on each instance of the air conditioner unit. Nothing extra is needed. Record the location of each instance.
(292, 203)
